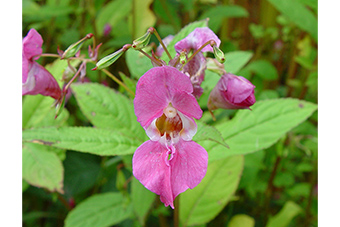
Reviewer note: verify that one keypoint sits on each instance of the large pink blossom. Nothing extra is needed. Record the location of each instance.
(35, 78)
(232, 92)
(169, 163)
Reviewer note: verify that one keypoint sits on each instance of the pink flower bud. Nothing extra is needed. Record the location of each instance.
(232, 92)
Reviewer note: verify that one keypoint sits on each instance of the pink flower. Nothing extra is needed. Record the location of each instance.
(232, 92)
(169, 163)
(196, 67)
(35, 78)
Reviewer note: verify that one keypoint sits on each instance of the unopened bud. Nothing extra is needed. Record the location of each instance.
(110, 59)
(219, 55)
(60, 105)
(75, 47)
(183, 57)
(143, 41)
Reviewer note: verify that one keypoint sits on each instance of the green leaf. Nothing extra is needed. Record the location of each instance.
(99, 210)
(143, 17)
(96, 141)
(112, 13)
(38, 111)
(285, 216)
(142, 200)
(207, 132)
(254, 130)
(217, 14)
(168, 12)
(204, 202)
(184, 32)
(241, 220)
(137, 63)
(236, 60)
(41, 167)
(298, 14)
(106, 108)
(263, 69)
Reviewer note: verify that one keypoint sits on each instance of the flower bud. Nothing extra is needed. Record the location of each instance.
(232, 92)
(75, 47)
(219, 55)
(143, 41)
(110, 59)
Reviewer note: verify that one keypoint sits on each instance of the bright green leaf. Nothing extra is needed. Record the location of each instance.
(254, 130)
(285, 216)
(236, 60)
(41, 167)
(143, 17)
(207, 132)
(96, 141)
(99, 210)
(241, 220)
(205, 201)
(138, 63)
(106, 108)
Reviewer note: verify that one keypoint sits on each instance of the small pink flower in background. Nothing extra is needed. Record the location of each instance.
(196, 67)
(107, 29)
(232, 92)
(35, 78)
(169, 163)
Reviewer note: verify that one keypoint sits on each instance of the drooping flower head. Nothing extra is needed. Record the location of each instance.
(169, 163)
(35, 78)
(232, 92)
(196, 67)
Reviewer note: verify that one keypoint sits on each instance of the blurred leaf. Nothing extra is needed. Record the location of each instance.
(42, 168)
(131, 84)
(100, 210)
(142, 200)
(268, 94)
(263, 69)
(106, 108)
(207, 132)
(313, 4)
(33, 12)
(236, 60)
(251, 131)
(207, 200)
(301, 189)
(299, 15)
(184, 32)
(81, 172)
(285, 216)
(112, 13)
(96, 141)
(253, 163)
(137, 63)
(217, 14)
(142, 18)
(38, 111)
(284, 179)
(167, 12)
(241, 220)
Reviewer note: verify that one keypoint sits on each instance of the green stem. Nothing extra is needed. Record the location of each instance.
(161, 42)
(176, 212)
(118, 81)
(197, 51)
(151, 58)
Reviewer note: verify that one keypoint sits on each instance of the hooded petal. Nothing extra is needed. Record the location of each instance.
(40, 81)
(151, 167)
(157, 88)
(188, 166)
(31, 44)
(197, 38)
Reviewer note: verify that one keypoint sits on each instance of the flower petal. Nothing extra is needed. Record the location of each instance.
(187, 104)
(197, 38)
(31, 44)
(188, 166)
(151, 167)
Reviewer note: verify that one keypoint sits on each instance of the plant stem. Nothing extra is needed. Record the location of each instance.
(161, 42)
(176, 212)
(196, 52)
(118, 81)
(49, 55)
(151, 58)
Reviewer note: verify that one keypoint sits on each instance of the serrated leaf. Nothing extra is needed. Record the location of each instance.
(106, 108)
(241, 220)
(142, 200)
(205, 201)
(99, 210)
(184, 32)
(42, 168)
(254, 130)
(285, 216)
(137, 63)
(236, 60)
(96, 141)
(298, 14)
(217, 14)
(207, 132)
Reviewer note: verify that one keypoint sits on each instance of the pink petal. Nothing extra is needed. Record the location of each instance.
(157, 88)
(197, 38)
(31, 44)
(151, 167)
(25, 68)
(238, 88)
(188, 166)
(40, 81)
